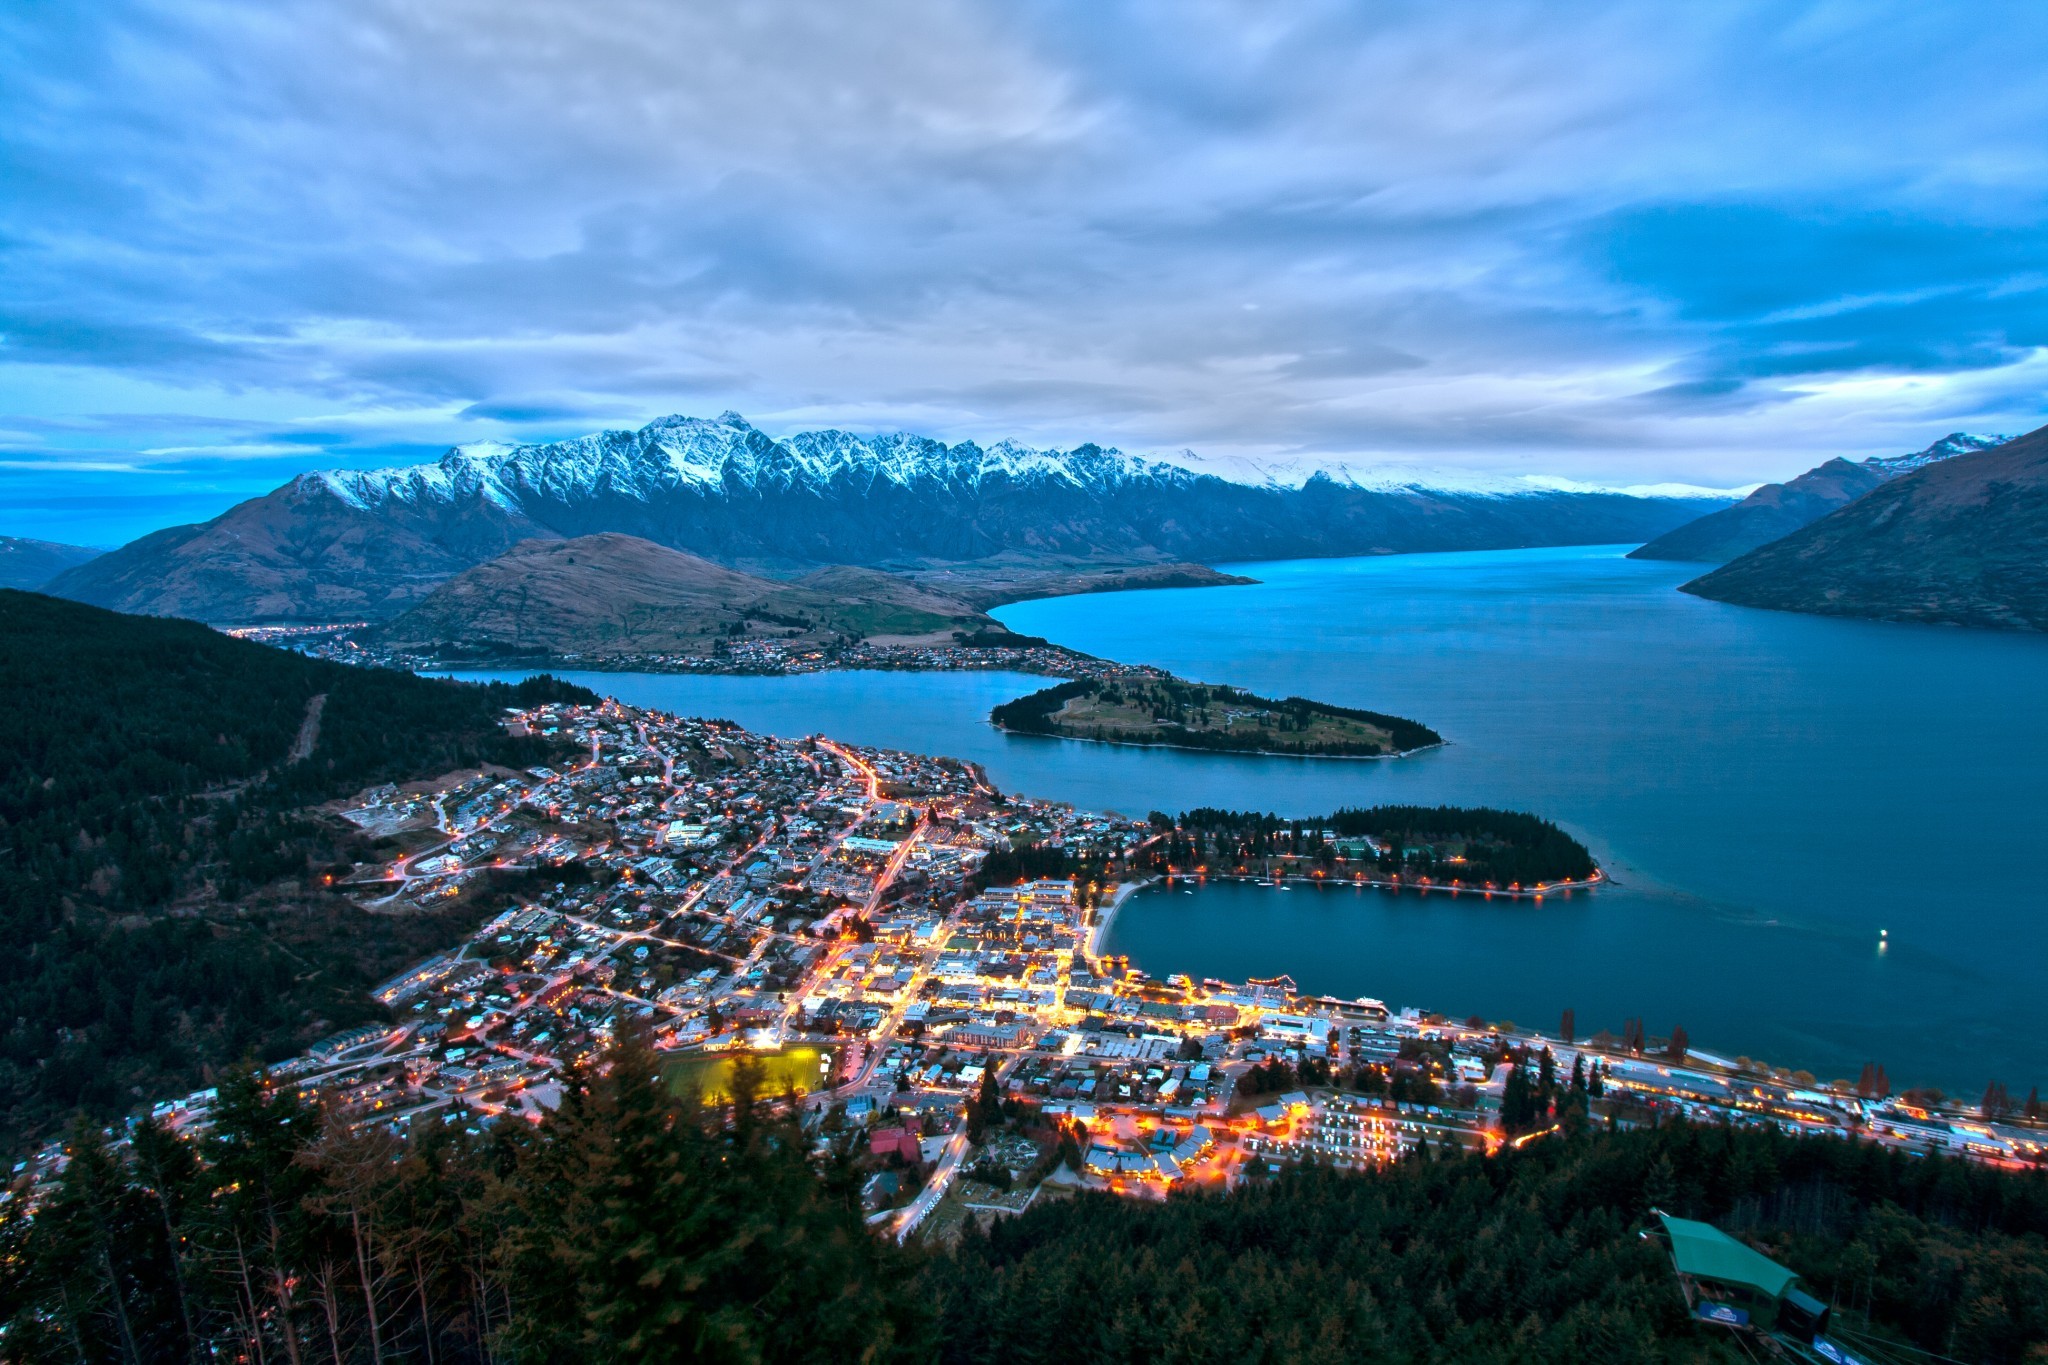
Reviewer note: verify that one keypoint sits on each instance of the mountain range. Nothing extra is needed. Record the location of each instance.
(369, 545)
(32, 563)
(1778, 509)
(1962, 541)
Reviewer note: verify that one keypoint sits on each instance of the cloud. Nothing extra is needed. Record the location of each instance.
(1622, 242)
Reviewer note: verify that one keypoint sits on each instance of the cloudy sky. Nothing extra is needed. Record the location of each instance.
(1618, 242)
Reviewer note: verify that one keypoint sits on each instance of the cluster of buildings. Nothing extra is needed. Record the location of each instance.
(747, 655)
(729, 892)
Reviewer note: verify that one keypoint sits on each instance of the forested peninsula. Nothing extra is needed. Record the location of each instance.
(1473, 848)
(1171, 713)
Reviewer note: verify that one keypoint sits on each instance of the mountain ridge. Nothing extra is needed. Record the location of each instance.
(1960, 542)
(369, 544)
(1778, 509)
(27, 563)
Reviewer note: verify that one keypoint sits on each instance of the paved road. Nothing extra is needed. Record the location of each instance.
(918, 1209)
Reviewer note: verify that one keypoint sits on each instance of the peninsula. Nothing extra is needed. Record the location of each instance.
(1416, 848)
(1171, 713)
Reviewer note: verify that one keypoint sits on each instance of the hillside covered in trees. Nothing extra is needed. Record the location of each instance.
(159, 874)
(632, 1226)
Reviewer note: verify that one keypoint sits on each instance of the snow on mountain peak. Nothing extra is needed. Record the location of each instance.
(1948, 447)
(729, 452)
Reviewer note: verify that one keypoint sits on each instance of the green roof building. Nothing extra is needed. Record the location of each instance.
(1728, 1282)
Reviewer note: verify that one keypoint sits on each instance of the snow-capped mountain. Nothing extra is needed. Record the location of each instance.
(1776, 510)
(1947, 448)
(339, 544)
(1957, 540)
(728, 455)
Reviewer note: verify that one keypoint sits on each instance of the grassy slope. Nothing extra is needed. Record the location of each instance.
(615, 594)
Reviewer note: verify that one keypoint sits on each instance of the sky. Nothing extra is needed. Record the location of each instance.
(1620, 243)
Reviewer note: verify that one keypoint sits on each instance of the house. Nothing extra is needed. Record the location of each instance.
(885, 1142)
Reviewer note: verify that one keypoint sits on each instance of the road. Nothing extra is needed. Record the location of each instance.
(918, 1209)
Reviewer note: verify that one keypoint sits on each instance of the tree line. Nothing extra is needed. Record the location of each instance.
(1526, 1258)
(630, 1225)
(636, 1225)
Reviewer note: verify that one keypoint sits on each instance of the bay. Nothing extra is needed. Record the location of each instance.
(1770, 791)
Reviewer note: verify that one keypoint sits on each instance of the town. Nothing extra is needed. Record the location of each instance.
(913, 960)
(749, 655)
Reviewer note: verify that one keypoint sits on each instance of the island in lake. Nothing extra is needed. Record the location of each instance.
(1172, 713)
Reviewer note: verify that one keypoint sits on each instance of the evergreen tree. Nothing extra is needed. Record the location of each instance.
(986, 1106)
(650, 1232)
(1679, 1044)
(1517, 1105)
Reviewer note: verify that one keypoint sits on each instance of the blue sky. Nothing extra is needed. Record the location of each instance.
(1620, 242)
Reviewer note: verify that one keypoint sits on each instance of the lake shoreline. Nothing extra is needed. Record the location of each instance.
(1105, 916)
(1719, 762)
(1598, 879)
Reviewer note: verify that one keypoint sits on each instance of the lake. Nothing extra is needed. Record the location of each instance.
(1769, 791)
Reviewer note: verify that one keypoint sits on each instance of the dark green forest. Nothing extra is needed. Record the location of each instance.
(1502, 847)
(633, 1226)
(1530, 1257)
(158, 871)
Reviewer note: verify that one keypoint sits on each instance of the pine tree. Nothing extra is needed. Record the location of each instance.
(1517, 1105)
(1567, 1027)
(1070, 1149)
(648, 1230)
(166, 1171)
(258, 1233)
(79, 1239)
(1660, 1185)
(987, 1104)
(1678, 1045)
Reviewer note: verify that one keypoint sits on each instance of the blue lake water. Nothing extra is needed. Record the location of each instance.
(1770, 791)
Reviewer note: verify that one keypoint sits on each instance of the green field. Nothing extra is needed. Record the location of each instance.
(710, 1073)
